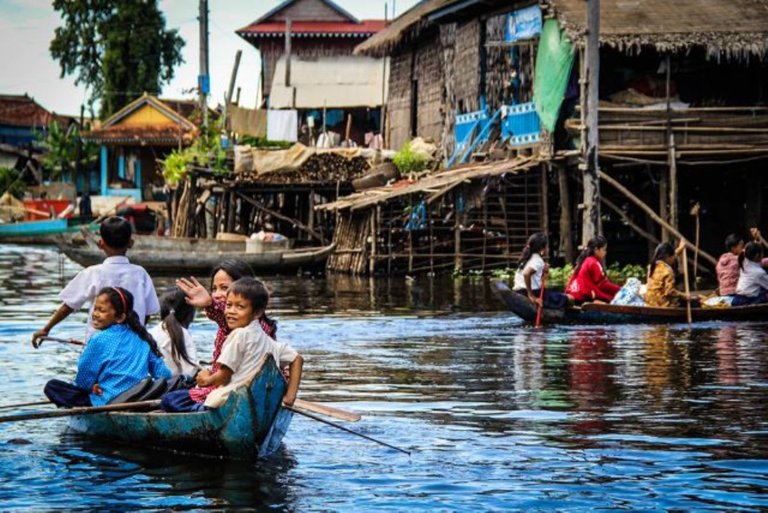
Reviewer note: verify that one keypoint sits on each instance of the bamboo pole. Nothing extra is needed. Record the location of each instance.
(648, 210)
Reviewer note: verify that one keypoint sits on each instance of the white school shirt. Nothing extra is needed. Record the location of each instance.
(535, 262)
(752, 278)
(115, 271)
(242, 353)
(163, 340)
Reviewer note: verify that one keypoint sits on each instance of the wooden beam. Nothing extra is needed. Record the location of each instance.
(278, 215)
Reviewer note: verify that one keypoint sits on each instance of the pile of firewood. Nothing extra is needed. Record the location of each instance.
(322, 167)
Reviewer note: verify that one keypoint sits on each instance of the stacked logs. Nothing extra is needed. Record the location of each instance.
(322, 167)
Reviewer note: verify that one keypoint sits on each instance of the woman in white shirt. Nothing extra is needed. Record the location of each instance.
(530, 272)
(752, 286)
(173, 338)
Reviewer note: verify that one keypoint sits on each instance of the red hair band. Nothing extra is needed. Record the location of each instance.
(122, 299)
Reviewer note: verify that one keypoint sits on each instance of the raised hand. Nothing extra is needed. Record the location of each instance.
(197, 294)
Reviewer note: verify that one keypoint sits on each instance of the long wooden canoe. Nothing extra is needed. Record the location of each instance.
(250, 425)
(43, 231)
(594, 313)
(185, 255)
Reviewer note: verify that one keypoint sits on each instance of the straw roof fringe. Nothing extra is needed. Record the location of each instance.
(730, 29)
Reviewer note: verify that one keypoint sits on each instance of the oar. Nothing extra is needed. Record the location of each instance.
(338, 426)
(72, 341)
(82, 410)
(687, 287)
(330, 411)
(541, 298)
(24, 405)
(696, 212)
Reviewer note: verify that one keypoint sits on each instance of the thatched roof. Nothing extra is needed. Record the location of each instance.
(404, 28)
(730, 28)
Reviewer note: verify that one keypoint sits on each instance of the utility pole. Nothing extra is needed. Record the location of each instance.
(204, 80)
(591, 204)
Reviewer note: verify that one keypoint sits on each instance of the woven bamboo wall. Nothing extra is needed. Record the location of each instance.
(429, 75)
(467, 66)
(448, 40)
(399, 101)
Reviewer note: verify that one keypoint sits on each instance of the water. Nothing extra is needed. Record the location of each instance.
(498, 416)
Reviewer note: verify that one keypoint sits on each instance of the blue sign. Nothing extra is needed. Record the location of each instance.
(523, 24)
(204, 83)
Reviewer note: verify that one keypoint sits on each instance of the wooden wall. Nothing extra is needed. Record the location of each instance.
(429, 76)
(467, 72)
(399, 101)
(308, 10)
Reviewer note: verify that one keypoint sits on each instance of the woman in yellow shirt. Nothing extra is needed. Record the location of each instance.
(661, 277)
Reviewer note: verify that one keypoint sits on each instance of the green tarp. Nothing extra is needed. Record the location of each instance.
(553, 69)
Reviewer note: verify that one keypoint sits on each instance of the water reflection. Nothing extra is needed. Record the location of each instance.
(500, 416)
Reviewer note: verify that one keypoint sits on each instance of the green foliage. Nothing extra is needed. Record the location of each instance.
(117, 48)
(408, 161)
(621, 274)
(61, 150)
(9, 181)
(559, 276)
(262, 142)
(206, 152)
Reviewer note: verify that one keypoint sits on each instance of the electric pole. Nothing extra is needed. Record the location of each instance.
(204, 80)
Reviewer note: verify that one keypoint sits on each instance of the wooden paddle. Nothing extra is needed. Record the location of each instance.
(696, 212)
(83, 410)
(687, 287)
(337, 426)
(330, 411)
(71, 341)
(24, 405)
(540, 310)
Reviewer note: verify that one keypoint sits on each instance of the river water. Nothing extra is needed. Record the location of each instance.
(498, 416)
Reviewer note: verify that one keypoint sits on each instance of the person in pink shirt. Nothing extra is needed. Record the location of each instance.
(727, 267)
(588, 281)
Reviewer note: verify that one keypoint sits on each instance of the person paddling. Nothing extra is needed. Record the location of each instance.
(530, 270)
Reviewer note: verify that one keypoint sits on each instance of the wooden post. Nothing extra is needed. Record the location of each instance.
(671, 158)
(288, 25)
(663, 199)
(589, 165)
(566, 240)
(372, 254)
(231, 90)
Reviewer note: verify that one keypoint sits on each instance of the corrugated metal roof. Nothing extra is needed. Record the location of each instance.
(365, 28)
(333, 82)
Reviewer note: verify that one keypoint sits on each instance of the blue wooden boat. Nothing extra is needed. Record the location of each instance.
(599, 313)
(250, 425)
(37, 232)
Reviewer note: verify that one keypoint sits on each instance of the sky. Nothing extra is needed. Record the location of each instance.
(27, 26)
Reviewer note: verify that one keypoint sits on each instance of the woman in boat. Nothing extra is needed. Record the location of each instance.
(588, 281)
(223, 276)
(728, 265)
(172, 334)
(661, 277)
(531, 269)
(243, 352)
(118, 357)
(752, 287)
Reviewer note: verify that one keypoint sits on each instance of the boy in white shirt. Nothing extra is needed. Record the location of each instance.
(115, 271)
(242, 353)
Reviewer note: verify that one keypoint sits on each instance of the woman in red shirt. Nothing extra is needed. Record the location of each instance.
(588, 282)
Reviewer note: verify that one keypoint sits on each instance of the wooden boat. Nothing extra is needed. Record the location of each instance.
(174, 255)
(42, 231)
(250, 425)
(598, 313)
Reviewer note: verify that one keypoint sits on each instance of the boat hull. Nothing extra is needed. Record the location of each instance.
(250, 425)
(594, 313)
(36, 232)
(170, 255)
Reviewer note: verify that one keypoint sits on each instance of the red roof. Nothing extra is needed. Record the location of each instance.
(17, 110)
(141, 134)
(365, 28)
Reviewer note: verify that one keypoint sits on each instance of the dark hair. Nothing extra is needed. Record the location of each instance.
(235, 268)
(732, 241)
(115, 231)
(752, 251)
(253, 290)
(536, 243)
(593, 245)
(663, 251)
(122, 302)
(176, 313)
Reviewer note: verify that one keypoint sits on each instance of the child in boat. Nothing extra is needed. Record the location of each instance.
(531, 269)
(588, 281)
(222, 278)
(242, 353)
(115, 271)
(661, 277)
(172, 334)
(752, 287)
(728, 265)
(117, 358)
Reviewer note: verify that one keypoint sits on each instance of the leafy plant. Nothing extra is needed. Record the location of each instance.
(559, 276)
(262, 142)
(205, 151)
(9, 181)
(408, 161)
(61, 148)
